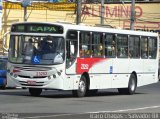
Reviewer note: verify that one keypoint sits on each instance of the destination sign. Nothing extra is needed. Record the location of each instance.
(44, 29)
(37, 28)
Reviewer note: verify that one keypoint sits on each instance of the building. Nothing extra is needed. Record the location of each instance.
(116, 15)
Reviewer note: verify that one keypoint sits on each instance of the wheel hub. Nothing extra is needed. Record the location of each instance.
(82, 86)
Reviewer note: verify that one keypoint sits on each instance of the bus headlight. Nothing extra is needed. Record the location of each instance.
(54, 76)
(49, 77)
(59, 73)
(11, 74)
(8, 70)
(15, 75)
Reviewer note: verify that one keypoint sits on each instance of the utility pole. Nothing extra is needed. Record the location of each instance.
(25, 4)
(79, 9)
(25, 14)
(132, 15)
(102, 12)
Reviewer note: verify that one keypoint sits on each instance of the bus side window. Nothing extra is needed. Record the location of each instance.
(110, 45)
(122, 46)
(134, 47)
(85, 44)
(152, 47)
(97, 44)
(144, 47)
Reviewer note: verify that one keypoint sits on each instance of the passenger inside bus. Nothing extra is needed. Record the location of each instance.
(50, 50)
(98, 50)
(85, 51)
(44, 46)
(113, 50)
(81, 52)
(29, 50)
(123, 52)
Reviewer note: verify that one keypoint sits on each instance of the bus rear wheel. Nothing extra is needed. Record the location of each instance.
(35, 91)
(132, 85)
(82, 87)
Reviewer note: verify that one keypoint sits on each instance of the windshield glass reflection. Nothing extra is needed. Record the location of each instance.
(36, 50)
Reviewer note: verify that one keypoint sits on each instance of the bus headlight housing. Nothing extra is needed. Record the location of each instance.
(11, 74)
(54, 75)
(59, 73)
(15, 75)
(49, 77)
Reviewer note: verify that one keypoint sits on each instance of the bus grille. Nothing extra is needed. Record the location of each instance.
(31, 68)
(32, 77)
(24, 83)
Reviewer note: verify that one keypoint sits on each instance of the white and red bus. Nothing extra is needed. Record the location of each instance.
(81, 58)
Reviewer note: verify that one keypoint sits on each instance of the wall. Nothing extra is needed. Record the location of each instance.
(116, 15)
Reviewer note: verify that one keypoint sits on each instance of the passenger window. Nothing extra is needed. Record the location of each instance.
(134, 47)
(97, 44)
(144, 47)
(122, 46)
(85, 44)
(110, 45)
(152, 47)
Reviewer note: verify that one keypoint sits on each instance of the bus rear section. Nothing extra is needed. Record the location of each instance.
(110, 58)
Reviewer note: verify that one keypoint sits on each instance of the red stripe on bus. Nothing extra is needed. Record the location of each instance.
(84, 64)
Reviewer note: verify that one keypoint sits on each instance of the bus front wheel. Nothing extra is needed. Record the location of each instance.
(82, 87)
(35, 91)
(132, 85)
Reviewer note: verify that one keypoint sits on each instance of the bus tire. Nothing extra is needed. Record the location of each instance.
(35, 91)
(132, 85)
(82, 87)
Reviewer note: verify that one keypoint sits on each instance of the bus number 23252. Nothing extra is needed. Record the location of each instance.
(41, 73)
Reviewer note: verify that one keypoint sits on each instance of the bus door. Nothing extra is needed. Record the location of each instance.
(71, 59)
(120, 69)
(72, 51)
(135, 62)
(150, 64)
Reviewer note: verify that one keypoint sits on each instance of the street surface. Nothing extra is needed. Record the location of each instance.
(53, 104)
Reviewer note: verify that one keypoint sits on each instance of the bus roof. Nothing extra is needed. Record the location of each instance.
(70, 26)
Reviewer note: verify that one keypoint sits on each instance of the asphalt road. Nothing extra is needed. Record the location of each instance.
(107, 104)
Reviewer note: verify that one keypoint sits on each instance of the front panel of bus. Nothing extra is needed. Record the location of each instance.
(37, 55)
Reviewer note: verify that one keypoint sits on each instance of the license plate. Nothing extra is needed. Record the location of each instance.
(31, 82)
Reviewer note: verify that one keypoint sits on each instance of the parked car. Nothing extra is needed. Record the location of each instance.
(3, 72)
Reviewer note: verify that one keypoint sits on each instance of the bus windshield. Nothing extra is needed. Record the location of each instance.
(36, 49)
